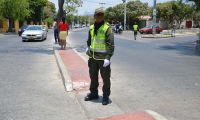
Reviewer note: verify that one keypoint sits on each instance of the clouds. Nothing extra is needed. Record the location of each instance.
(89, 6)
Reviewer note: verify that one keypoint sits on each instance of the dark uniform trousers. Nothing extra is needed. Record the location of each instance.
(135, 34)
(94, 67)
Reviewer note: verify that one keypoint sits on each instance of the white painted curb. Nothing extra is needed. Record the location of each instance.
(155, 115)
(64, 73)
(81, 56)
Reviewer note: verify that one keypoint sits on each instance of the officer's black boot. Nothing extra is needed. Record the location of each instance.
(105, 100)
(91, 97)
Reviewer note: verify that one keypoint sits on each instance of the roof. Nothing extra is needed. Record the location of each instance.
(145, 17)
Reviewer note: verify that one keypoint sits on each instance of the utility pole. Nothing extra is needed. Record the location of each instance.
(154, 18)
(102, 5)
(85, 20)
(77, 19)
(124, 1)
(72, 21)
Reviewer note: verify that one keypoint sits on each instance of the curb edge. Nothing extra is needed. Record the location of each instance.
(63, 71)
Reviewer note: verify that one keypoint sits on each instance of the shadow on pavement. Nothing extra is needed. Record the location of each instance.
(184, 48)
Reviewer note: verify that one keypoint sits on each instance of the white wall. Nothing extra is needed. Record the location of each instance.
(162, 24)
(149, 22)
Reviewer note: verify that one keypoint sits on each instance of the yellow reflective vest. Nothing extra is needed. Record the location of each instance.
(98, 45)
(135, 27)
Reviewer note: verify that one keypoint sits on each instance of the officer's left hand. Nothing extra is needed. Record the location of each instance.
(106, 63)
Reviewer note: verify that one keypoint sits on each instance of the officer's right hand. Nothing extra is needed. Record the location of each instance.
(106, 63)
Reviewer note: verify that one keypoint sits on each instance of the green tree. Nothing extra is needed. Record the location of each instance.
(137, 8)
(36, 8)
(165, 12)
(49, 13)
(134, 10)
(196, 17)
(69, 18)
(182, 11)
(197, 4)
(170, 11)
(109, 15)
(119, 12)
(70, 7)
(14, 9)
(83, 20)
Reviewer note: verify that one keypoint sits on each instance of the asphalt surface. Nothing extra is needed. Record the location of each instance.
(31, 87)
(161, 75)
(158, 78)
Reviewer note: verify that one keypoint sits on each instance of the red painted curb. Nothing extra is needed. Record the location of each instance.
(78, 69)
(129, 116)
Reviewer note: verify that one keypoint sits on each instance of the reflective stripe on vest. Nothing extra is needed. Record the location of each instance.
(99, 45)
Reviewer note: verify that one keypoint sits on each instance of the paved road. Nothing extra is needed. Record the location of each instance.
(31, 87)
(161, 75)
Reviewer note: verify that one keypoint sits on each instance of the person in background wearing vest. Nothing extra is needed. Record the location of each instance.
(135, 29)
(100, 50)
(56, 37)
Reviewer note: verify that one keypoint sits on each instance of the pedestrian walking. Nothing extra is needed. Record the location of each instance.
(135, 29)
(173, 30)
(117, 28)
(56, 36)
(63, 32)
(100, 50)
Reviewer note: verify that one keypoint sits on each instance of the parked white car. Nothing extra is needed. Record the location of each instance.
(34, 32)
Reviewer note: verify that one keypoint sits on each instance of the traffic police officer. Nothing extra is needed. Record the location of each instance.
(135, 29)
(100, 49)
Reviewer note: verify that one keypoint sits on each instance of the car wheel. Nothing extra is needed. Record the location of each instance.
(141, 33)
(158, 32)
(148, 32)
(23, 40)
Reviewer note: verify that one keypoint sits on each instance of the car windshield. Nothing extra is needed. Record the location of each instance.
(34, 28)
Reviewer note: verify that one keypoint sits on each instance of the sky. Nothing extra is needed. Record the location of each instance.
(89, 6)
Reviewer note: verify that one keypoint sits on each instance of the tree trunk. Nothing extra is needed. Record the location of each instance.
(10, 25)
(60, 10)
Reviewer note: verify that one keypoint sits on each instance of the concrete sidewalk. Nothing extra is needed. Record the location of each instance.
(74, 70)
(167, 33)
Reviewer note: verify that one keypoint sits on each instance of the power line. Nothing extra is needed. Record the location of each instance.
(95, 2)
(90, 1)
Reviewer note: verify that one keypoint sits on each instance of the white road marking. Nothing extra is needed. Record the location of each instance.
(155, 115)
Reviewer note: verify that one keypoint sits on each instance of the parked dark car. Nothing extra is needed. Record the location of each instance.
(22, 29)
(148, 30)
